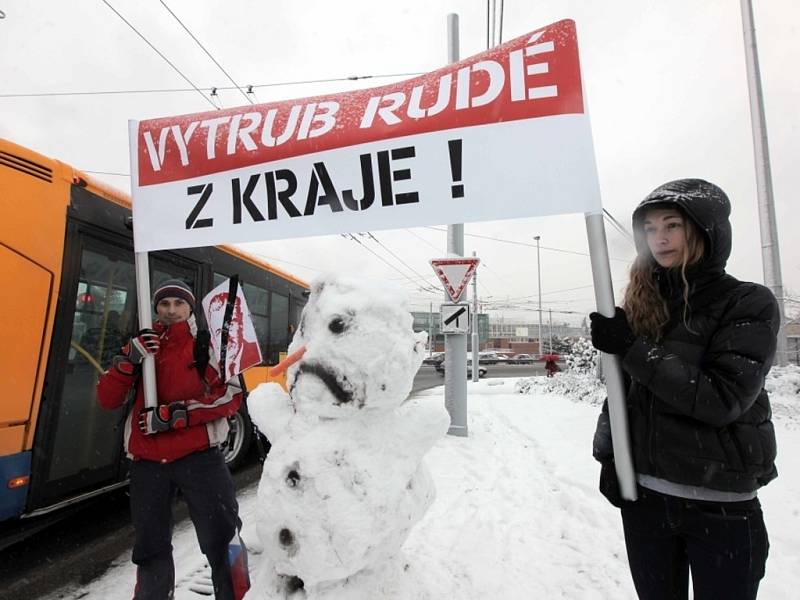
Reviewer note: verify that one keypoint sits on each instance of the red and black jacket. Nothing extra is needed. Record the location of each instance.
(209, 403)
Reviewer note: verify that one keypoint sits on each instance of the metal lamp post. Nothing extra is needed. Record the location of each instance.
(539, 276)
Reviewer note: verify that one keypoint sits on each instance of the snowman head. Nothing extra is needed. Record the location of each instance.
(361, 351)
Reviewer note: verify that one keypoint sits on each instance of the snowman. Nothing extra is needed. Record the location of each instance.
(345, 480)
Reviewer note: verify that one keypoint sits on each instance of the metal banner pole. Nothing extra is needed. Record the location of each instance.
(142, 268)
(615, 386)
(455, 345)
(142, 263)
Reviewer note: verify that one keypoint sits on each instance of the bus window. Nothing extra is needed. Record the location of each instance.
(258, 303)
(278, 327)
(104, 317)
(218, 279)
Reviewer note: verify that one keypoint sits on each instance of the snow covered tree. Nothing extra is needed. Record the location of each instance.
(582, 357)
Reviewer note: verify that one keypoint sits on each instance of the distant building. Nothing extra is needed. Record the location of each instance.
(522, 338)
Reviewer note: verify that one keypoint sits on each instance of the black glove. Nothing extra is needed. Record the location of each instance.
(612, 335)
(609, 484)
(143, 343)
(163, 418)
(602, 444)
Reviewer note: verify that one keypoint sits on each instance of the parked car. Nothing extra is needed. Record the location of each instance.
(487, 357)
(523, 359)
(434, 359)
(481, 369)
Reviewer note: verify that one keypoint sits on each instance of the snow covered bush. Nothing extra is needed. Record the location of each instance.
(783, 385)
(578, 387)
(582, 357)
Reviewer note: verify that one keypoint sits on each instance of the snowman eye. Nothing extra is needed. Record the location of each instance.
(337, 325)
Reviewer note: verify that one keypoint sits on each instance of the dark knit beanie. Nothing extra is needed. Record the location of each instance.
(174, 288)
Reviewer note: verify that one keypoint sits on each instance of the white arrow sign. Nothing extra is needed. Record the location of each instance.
(455, 318)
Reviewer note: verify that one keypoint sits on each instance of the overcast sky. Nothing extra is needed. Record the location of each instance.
(665, 81)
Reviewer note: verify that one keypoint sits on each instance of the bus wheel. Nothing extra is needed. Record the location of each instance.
(240, 436)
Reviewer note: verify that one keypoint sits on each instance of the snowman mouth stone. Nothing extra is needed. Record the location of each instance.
(331, 381)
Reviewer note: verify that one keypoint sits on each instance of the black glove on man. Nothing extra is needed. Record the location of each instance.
(612, 335)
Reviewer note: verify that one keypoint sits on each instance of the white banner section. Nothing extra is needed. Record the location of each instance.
(520, 169)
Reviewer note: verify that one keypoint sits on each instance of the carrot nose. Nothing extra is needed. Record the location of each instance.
(287, 362)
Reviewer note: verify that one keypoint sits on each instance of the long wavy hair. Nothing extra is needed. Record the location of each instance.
(646, 309)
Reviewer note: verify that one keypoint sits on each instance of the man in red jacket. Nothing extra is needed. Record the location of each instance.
(174, 446)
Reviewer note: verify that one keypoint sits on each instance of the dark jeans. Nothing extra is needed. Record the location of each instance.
(723, 543)
(205, 483)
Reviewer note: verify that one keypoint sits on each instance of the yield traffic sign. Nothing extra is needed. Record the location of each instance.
(455, 274)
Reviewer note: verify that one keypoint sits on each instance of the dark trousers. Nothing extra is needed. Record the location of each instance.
(723, 543)
(205, 483)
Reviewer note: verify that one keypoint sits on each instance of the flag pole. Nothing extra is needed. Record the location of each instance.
(612, 369)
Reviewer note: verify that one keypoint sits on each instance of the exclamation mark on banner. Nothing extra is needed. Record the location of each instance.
(455, 168)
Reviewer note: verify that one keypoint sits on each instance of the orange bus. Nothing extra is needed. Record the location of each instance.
(69, 302)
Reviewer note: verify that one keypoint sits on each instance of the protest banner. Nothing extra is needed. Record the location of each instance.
(503, 134)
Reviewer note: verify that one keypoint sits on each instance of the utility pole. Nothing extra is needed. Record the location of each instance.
(430, 330)
(539, 275)
(770, 252)
(475, 337)
(455, 345)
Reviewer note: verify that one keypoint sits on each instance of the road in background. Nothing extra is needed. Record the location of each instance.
(427, 377)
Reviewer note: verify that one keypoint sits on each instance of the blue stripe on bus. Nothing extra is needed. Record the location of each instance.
(12, 501)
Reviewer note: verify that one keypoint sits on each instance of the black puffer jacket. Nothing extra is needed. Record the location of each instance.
(698, 411)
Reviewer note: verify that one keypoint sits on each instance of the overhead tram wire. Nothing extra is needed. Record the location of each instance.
(438, 250)
(350, 236)
(157, 51)
(617, 225)
(407, 266)
(418, 236)
(195, 88)
(186, 29)
(494, 239)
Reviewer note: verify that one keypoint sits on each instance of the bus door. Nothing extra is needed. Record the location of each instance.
(78, 445)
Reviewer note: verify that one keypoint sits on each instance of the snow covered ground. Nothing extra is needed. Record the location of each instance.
(517, 514)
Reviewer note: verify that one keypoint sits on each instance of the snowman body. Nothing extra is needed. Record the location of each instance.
(345, 480)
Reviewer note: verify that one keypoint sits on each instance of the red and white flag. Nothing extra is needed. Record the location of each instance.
(503, 134)
(242, 349)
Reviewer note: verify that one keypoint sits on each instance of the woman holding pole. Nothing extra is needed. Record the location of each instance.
(695, 346)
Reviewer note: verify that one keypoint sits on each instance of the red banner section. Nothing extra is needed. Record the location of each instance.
(535, 75)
